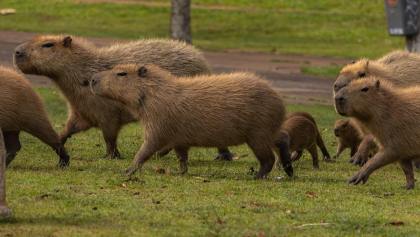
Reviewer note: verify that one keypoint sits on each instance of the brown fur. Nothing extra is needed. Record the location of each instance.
(21, 109)
(302, 134)
(204, 111)
(399, 67)
(320, 142)
(70, 62)
(348, 135)
(391, 114)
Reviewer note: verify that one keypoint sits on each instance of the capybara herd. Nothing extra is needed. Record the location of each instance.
(170, 89)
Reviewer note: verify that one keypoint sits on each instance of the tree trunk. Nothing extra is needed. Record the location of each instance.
(4, 210)
(180, 20)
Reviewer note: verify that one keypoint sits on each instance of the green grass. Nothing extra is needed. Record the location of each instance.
(92, 198)
(324, 71)
(339, 28)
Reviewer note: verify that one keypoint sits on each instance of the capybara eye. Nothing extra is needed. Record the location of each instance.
(48, 45)
(364, 89)
(122, 74)
(362, 74)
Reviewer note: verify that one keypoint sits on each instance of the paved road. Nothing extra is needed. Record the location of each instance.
(283, 71)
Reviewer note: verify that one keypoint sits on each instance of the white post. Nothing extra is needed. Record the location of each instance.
(5, 212)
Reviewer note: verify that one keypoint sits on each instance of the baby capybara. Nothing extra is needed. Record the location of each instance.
(320, 142)
(21, 109)
(391, 114)
(348, 135)
(205, 111)
(71, 61)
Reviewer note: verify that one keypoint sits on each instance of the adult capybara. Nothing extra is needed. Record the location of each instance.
(301, 134)
(204, 111)
(399, 67)
(71, 61)
(391, 114)
(21, 109)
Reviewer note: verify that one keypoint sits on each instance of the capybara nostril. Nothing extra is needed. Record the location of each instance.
(19, 54)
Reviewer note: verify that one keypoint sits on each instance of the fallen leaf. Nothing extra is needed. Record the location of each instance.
(396, 223)
(310, 194)
(136, 193)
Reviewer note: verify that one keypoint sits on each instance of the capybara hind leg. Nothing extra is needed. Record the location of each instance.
(75, 124)
(13, 146)
(265, 156)
(407, 167)
(224, 154)
(42, 129)
(379, 160)
(314, 154)
(144, 154)
(182, 154)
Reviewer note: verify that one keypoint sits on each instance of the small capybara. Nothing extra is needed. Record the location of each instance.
(348, 135)
(204, 111)
(320, 142)
(391, 114)
(71, 61)
(302, 134)
(21, 109)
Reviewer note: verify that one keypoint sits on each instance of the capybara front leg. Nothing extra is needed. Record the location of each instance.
(110, 137)
(182, 154)
(363, 151)
(75, 124)
(282, 144)
(314, 153)
(407, 167)
(13, 146)
(379, 160)
(144, 154)
(224, 154)
(340, 150)
(265, 156)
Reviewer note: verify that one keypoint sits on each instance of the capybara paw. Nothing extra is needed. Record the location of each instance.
(225, 156)
(183, 169)
(289, 170)
(63, 163)
(130, 171)
(409, 186)
(360, 177)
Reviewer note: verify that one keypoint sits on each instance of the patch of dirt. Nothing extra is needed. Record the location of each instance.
(282, 70)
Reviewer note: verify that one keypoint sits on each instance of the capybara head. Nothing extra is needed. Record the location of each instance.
(350, 72)
(129, 83)
(46, 55)
(341, 127)
(359, 97)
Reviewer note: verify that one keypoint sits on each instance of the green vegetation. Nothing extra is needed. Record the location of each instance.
(326, 71)
(92, 198)
(330, 27)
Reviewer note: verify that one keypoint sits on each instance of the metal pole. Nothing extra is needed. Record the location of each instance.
(5, 212)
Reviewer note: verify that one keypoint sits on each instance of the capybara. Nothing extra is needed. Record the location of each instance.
(348, 135)
(21, 109)
(204, 111)
(320, 142)
(71, 61)
(391, 114)
(302, 134)
(399, 67)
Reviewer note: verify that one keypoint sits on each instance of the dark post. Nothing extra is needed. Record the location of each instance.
(180, 20)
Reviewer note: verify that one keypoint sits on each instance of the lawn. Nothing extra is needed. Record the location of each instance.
(93, 198)
(339, 28)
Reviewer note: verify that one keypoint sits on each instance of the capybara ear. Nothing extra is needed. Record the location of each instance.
(377, 84)
(67, 41)
(142, 72)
